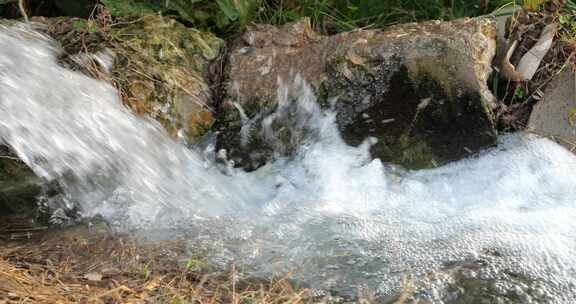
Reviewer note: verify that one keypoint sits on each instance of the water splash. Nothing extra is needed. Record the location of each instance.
(74, 130)
(340, 219)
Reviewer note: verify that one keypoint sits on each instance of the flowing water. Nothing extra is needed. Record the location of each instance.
(500, 226)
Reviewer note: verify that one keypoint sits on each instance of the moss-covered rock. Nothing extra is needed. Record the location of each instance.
(419, 88)
(158, 65)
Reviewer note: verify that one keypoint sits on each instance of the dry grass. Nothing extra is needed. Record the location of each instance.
(83, 265)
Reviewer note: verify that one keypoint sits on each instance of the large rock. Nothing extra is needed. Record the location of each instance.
(158, 65)
(18, 185)
(555, 114)
(420, 89)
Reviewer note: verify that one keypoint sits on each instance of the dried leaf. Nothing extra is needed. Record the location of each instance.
(153, 284)
(533, 5)
(93, 276)
(507, 70)
(531, 61)
(354, 58)
(346, 72)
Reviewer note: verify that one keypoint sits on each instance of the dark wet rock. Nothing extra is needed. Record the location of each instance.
(420, 89)
(19, 187)
(555, 114)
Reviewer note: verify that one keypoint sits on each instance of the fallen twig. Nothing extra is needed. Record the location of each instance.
(22, 7)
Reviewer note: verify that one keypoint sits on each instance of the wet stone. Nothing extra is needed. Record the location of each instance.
(19, 187)
(418, 89)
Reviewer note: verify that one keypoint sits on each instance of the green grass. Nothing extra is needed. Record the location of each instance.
(219, 15)
(329, 16)
(326, 15)
(343, 15)
(231, 16)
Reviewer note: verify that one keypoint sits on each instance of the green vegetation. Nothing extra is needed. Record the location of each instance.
(342, 15)
(327, 15)
(230, 16)
(567, 22)
(221, 14)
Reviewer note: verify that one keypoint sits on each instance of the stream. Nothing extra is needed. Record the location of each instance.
(499, 226)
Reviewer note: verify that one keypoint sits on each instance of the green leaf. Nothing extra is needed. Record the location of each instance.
(228, 9)
(201, 15)
(520, 93)
(92, 27)
(246, 10)
(222, 21)
(184, 8)
(131, 7)
(79, 23)
(565, 19)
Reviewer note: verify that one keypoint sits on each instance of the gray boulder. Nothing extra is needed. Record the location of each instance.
(419, 88)
(555, 114)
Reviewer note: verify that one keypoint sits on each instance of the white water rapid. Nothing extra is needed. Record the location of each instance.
(337, 218)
